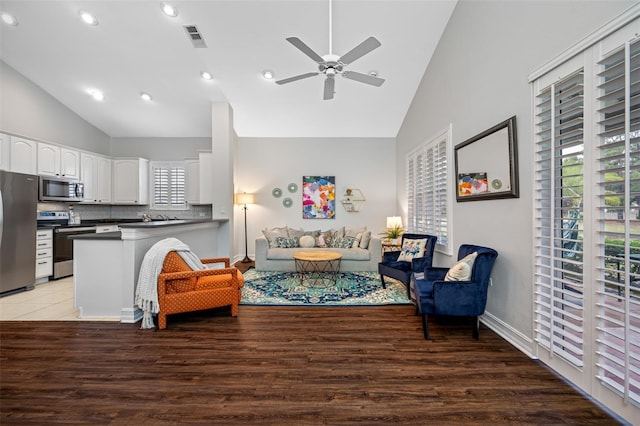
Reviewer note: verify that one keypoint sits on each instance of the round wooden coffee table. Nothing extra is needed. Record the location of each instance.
(315, 267)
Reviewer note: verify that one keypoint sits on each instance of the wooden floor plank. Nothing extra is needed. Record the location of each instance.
(278, 365)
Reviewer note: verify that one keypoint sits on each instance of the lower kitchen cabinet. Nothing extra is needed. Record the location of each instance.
(44, 255)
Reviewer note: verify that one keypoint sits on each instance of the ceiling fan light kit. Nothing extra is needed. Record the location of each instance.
(331, 65)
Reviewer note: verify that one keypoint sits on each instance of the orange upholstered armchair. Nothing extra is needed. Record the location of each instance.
(181, 289)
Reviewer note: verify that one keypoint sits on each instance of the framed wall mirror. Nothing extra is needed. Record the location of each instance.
(487, 164)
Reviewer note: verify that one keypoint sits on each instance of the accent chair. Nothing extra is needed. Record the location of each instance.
(181, 289)
(453, 291)
(401, 264)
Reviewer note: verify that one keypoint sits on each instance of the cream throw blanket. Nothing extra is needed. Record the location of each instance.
(147, 288)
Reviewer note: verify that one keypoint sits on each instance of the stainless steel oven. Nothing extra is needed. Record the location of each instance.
(62, 244)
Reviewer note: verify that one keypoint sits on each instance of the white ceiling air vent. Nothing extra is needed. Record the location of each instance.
(195, 36)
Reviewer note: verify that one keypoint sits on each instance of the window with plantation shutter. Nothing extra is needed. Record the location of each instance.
(559, 218)
(428, 190)
(587, 210)
(617, 201)
(169, 186)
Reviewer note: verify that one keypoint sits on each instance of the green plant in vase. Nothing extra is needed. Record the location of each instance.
(393, 234)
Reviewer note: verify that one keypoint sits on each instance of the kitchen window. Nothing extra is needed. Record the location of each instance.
(168, 180)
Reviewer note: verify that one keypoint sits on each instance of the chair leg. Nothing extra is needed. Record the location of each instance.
(382, 279)
(162, 321)
(425, 327)
(476, 328)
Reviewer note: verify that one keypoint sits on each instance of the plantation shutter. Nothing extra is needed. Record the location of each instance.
(428, 191)
(169, 186)
(618, 163)
(559, 184)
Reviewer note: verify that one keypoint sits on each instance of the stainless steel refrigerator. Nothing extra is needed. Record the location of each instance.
(18, 210)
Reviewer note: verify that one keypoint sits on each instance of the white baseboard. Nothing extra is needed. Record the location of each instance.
(523, 343)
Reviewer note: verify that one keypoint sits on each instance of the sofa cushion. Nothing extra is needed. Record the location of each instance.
(284, 242)
(364, 241)
(307, 241)
(347, 254)
(296, 233)
(272, 233)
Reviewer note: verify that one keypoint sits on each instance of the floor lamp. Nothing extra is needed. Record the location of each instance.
(245, 199)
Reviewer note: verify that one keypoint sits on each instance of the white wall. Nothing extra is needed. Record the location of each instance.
(476, 79)
(264, 164)
(159, 149)
(27, 110)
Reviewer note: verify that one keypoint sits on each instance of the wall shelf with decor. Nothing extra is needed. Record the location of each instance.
(352, 200)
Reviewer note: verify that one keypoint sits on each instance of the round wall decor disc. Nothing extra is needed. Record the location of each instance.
(496, 184)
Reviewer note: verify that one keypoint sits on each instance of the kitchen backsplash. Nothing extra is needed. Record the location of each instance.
(94, 212)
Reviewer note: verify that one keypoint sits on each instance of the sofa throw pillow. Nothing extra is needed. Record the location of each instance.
(356, 234)
(344, 242)
(272, 233)
(296, 233)
(284, 242)
(364, 241)
(412, 249)
(307, 241)
(461, 271)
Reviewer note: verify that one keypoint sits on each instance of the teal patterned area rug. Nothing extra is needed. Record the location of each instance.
(351, 289)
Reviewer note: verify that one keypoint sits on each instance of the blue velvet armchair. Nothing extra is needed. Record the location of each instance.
(402, 270)
(435, 296)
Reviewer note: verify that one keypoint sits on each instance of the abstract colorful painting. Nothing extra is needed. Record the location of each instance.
(472, 183)
(318, 197)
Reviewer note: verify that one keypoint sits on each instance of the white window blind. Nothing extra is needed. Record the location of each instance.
(559, 286)
(169, 186)
(428, 190)
(618, 197)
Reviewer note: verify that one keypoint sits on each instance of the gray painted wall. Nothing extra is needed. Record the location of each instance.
(476, 79)
(27, 110)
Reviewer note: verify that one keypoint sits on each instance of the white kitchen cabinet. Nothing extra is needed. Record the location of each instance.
(206, 178)
(44, 254)
(130, 179)
(95, 173)
(56, 160)
(192, 193)
(5, 149)
(23, 155)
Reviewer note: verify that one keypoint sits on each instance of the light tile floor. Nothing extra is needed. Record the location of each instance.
(52, 301)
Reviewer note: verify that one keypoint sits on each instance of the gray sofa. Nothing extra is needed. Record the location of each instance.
(353, 259)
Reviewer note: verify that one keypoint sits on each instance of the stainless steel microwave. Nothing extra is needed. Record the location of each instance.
(60, 189)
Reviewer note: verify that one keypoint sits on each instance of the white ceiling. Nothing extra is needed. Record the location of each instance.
(136, 48)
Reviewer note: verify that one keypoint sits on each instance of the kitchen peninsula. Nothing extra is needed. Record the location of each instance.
(106, 265)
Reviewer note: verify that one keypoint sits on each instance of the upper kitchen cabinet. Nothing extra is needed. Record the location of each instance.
(55, 160)
(192, 192)
(96, 176)
(23, 155)
(130, 181)
(5, 148)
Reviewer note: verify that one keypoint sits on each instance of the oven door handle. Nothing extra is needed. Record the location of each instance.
(69, 230)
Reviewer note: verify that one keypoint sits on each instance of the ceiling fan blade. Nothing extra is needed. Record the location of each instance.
(297, 77)
(329, 85)
(360, 50)
(363, 78)
(305, 49)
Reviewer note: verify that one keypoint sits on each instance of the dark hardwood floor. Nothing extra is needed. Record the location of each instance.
(275, 366)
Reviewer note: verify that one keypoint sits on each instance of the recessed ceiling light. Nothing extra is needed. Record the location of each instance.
(96, 94)
(9, 19)
(373, 73)
(206, 75)
(88, 18)
(145, 96)
(268, 74)
(169, 10)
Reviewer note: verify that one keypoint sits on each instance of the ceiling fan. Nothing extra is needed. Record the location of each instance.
(331, 65)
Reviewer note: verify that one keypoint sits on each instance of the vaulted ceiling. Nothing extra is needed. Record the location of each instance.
(137, 48)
